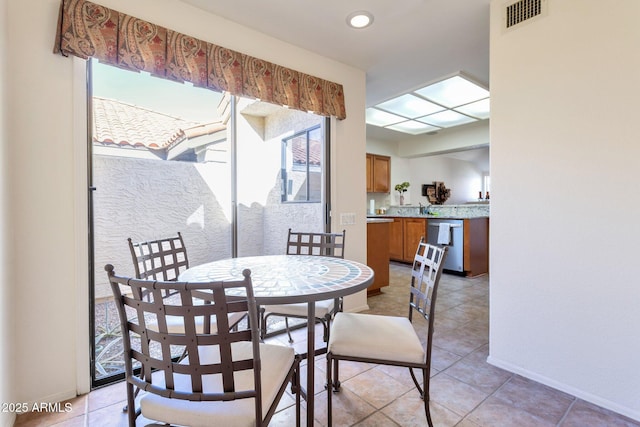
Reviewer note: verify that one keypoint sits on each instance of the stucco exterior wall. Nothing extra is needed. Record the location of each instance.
(151, 199)
(147, 199)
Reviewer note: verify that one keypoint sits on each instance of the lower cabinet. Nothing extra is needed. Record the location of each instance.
(404, 236)
(396, 242)
(378, 255)
(476, 246)
(405, 233)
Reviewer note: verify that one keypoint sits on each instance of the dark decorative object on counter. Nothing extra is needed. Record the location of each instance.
(436, 193)
(429, 191)
(442, 193)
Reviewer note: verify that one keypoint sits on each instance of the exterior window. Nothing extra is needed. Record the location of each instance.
(302, 166)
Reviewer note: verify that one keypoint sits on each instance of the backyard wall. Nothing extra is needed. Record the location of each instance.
(150, 199)
(263, 219)
(147, 199)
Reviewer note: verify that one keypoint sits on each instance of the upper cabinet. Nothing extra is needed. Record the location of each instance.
(378, 173)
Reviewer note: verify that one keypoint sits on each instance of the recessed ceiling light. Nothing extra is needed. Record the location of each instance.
(360, 19)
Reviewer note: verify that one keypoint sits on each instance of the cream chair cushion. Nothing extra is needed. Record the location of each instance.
(276, 362)
(300, 309)
(376, 337)
(175, 325)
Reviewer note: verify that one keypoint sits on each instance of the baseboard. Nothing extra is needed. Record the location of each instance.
(588, 397)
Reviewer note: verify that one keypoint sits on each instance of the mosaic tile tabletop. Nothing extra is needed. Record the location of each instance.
(296, 278)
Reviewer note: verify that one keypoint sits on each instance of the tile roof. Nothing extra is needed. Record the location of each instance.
(299, 151)
(126, 125)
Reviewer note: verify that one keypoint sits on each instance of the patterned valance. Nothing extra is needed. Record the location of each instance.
(89, 30)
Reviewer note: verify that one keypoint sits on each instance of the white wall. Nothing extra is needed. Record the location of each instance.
(463, 137)
(6, 419)
(45, 179)
(564, 243)
(464, 178)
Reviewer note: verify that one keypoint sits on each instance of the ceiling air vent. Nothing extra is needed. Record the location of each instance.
(523, 10)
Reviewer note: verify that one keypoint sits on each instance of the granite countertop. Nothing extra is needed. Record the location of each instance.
(465, 211)
(426, 216)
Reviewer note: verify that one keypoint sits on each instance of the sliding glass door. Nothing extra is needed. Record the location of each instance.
(231, 175)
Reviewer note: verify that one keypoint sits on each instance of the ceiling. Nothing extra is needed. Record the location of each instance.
(410, 43)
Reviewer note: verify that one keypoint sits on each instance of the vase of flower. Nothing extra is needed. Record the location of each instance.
(402, 188)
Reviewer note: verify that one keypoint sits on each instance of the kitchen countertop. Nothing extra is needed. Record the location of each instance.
(466, 211)
(426, 216)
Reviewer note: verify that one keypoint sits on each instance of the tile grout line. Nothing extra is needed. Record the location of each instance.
(566, 413)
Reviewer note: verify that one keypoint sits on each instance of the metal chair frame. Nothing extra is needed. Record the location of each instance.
(425, 277)
(308, 243)
(151, 346)
(162, 259)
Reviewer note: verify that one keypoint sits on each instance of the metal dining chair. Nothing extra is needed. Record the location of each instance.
(161, 259)
(308, 243)
(391, 340)
(164, 259)
(228, 378)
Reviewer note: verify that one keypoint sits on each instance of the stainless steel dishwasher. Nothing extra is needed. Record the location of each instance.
(455, 253)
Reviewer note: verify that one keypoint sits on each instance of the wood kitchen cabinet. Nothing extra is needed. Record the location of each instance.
(396, 242)
(413, 230)
(404, 236)
(378, 254)
(476, 246)
(405, 233)
(378, 173)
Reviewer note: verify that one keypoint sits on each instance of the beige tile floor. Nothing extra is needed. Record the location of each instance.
(465, 390)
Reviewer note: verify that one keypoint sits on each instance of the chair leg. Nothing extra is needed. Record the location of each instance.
(286, 325)
(425, 395)
(336, 375)
(424, 392)
(326, 325)
(131, 406)
(416, 383)
(329, 390)
(263, 323)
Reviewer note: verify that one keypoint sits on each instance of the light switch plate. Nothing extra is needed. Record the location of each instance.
(347, 218)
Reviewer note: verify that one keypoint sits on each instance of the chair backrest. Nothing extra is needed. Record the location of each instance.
(147, 341)
(162, 259)
(428, 264)
(308, 243)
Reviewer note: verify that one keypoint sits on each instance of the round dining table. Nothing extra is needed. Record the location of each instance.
(288, 279)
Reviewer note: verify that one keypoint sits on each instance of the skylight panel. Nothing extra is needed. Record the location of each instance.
(479, 109)
(450, 102)
(413, 127)
(453, 92)
(382, 118)
(447, 119)
(410, 106)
